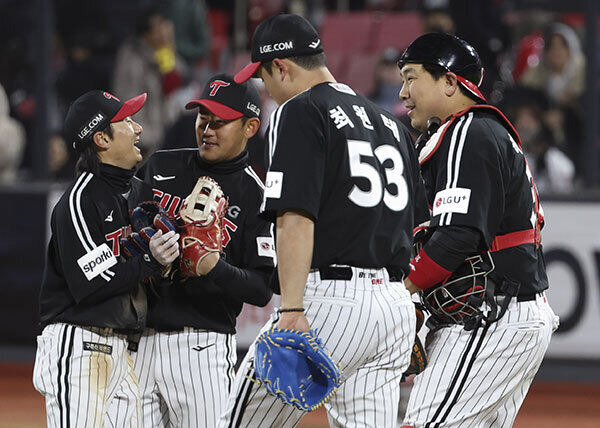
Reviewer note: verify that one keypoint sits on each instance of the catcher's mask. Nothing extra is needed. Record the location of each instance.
(459, 300)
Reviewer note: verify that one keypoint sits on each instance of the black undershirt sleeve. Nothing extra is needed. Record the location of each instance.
(247, 285)
(449, 246)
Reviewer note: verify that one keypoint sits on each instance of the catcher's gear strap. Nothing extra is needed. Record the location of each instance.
(434, 143)
(514, 239)
(425, 272)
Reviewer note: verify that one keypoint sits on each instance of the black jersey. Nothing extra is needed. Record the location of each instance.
(210, 302)
(352, 167)
(476, 175)
(86, 281)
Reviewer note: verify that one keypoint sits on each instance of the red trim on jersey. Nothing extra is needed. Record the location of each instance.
(425, 272)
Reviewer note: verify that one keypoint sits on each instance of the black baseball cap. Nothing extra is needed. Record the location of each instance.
(227, 99)
(281, 36)
(94, 111)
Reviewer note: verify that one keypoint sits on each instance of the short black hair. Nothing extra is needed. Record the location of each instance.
(472, 74)
(307, 62)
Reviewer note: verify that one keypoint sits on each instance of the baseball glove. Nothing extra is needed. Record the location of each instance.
(295, 368)
(202, 230)
(146, 219)
(418, 356)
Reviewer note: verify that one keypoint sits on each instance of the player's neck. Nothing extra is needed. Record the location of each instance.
(314, 77)
(459, 104)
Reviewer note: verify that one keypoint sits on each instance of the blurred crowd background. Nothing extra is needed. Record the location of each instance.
(540, 57)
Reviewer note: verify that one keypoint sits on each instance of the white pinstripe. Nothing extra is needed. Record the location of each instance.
(78, 384)
(368, 328)
(494, 386)
(180, 386)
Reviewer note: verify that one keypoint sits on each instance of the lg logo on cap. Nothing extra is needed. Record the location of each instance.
(277, 47)
(215, 85)
(110, 96)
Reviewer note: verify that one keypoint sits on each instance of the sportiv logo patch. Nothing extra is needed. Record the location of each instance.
(96, 261)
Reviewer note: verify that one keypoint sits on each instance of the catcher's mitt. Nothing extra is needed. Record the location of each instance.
(295, 368)
(418, 356)
(202, 231)
(146, 219)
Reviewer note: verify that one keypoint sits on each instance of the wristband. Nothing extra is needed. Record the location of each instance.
(281, 310)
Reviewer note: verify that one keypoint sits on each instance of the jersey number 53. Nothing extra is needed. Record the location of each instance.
(378, 190)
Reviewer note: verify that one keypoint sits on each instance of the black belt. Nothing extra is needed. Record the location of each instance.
(524, 297)
(344, 273)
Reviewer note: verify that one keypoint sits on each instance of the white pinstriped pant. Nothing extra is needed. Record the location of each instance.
(79, 371)
(368, 325)
(479, 379)
(184, 377)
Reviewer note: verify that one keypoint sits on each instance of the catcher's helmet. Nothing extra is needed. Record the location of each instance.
(459, 299)
(449, 52)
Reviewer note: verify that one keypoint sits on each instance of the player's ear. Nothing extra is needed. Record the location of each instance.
(101, 140)
(251, 127)
(450, 84)
(280, 68)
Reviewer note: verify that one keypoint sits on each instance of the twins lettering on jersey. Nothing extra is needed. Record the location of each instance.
(174, 203)
(113, 238)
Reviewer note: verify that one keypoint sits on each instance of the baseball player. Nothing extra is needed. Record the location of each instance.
(185, 358)
(340, 185)
(90, 298)
(483, 198)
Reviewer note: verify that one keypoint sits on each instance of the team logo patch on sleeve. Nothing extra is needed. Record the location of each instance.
(96, 261)
(273, 184)
(454, 200)
(265, 246)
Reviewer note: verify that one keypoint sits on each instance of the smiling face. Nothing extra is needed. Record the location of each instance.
(423, 96)
(218, 139)
(121, 150)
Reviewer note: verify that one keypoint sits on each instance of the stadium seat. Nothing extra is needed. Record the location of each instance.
(396, 29)
(347, 32)
(361, 72)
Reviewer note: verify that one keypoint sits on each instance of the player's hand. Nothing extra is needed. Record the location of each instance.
(208, 263)
(165, 247)
(293, 320)
(410, 286)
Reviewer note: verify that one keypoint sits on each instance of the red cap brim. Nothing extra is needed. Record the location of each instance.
(247, 72)
(215, 108)
(130, 107)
